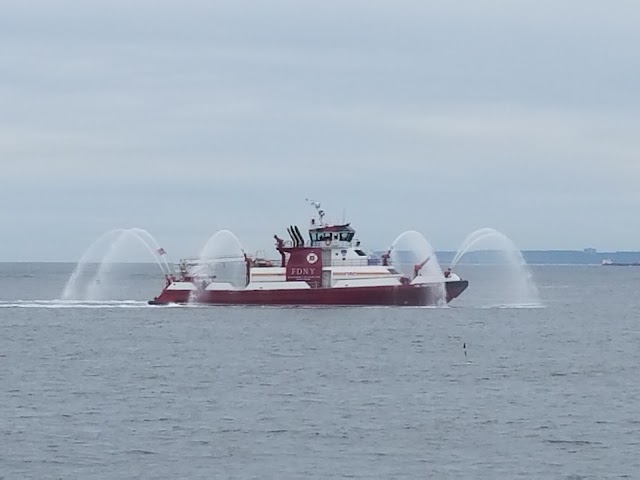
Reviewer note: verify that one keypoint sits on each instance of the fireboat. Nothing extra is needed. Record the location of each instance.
(330, 268)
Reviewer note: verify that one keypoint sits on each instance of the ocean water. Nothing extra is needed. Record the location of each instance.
(119, 389)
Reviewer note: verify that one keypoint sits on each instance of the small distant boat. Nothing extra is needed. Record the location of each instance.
(610, 263)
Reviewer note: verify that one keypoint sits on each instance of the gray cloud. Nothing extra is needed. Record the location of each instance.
(185, 118)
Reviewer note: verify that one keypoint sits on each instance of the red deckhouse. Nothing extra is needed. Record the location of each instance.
(330, 268)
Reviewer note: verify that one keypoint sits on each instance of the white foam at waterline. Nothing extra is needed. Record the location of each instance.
(513, 306)
(73, 304)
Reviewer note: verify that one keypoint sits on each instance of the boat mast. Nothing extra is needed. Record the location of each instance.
(316, 205)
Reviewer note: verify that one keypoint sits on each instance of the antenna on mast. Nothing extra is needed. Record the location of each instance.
(316, 205)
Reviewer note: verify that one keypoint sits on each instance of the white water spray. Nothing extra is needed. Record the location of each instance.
(154, 248)
(414, 257)
(87, 279)
(508, 278)
(222, 259)
(74, 285)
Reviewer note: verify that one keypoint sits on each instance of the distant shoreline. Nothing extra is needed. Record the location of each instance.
(548, 257)
(479, 257)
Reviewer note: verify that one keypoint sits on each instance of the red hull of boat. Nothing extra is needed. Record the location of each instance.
(401, 295)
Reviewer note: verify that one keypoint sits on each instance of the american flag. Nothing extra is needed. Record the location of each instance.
(161, 251)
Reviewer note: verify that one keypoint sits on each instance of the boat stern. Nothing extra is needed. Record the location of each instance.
(455, 288)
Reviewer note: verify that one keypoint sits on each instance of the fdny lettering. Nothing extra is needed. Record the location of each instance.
(303, 271)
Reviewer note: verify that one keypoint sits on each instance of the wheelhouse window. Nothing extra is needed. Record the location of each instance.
(320, 236)
(346, 236)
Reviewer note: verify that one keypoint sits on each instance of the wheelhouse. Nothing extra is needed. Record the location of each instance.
(338, 235)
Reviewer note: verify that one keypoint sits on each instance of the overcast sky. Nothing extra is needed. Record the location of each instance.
(185, 117)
